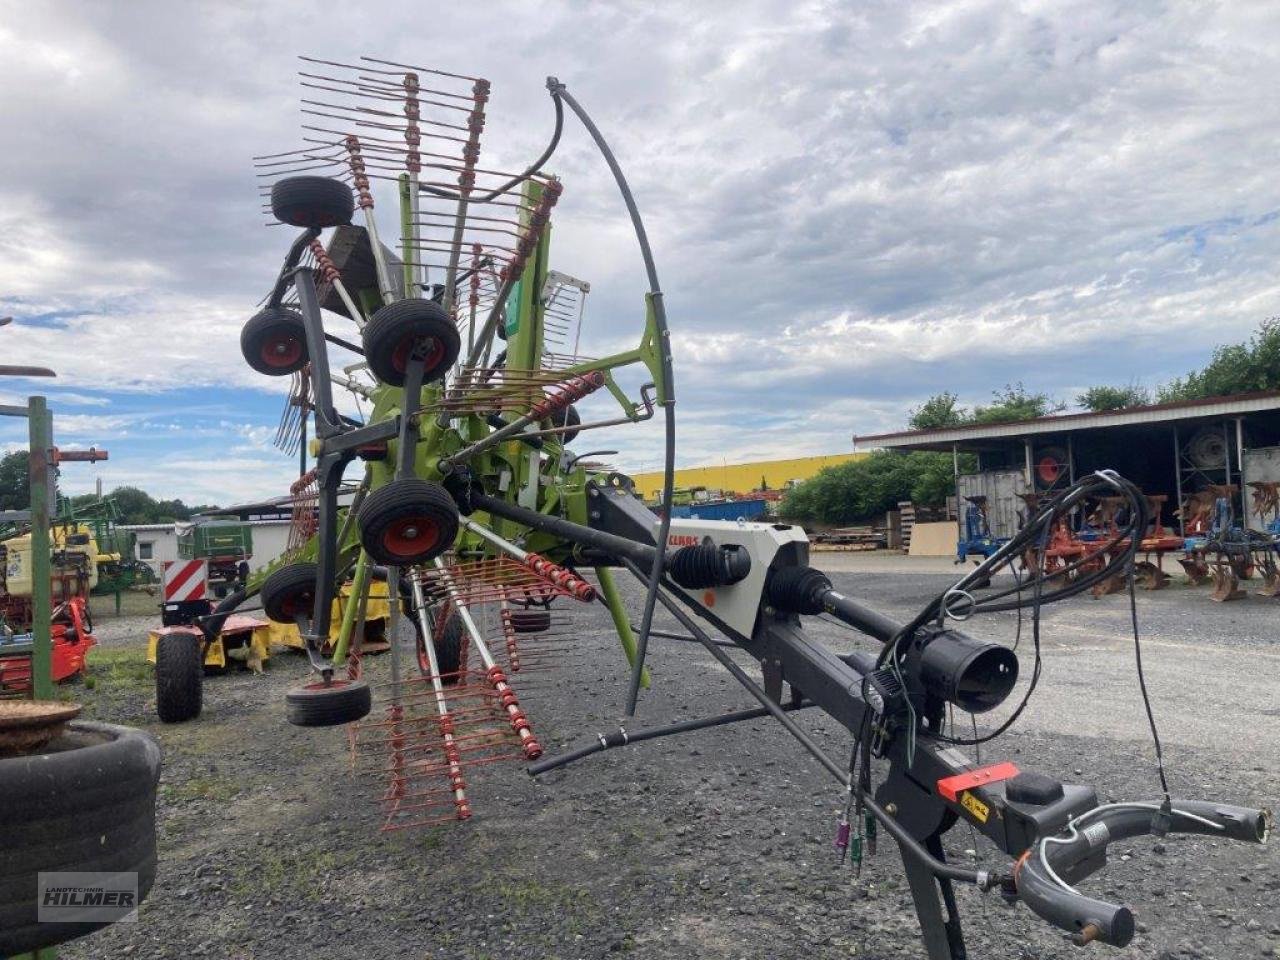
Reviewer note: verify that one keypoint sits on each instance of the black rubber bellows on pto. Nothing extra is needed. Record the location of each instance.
(290, 592)
(396, 330)
(312, 202)
(274, 342)
(407, 522)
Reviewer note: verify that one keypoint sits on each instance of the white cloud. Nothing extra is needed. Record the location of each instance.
(852, 205)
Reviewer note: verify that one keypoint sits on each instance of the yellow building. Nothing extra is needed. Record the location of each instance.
(743, 477)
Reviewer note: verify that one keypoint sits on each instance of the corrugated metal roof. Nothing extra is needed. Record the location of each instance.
(183, 524)
(1133, 416)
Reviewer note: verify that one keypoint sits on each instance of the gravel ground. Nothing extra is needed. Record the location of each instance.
(711, 845)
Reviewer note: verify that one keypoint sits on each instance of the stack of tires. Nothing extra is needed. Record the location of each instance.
(84, 802)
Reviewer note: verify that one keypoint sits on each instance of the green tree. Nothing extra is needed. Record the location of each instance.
(938, 411)
(860, 490)
(1015, 403)
(1100, 399)
(135, 505)
(1235, 368)
(14, 482)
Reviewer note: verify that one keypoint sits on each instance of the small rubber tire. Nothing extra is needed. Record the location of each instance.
(450, 637)
(290, 592)
(568, 417)
(392, 331)
(312, 202)
(530, 621)
(86, 801)
(328, 705)
(274, 342)
(179, 677)
(407, 522)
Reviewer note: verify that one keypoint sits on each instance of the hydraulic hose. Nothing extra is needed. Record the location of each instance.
(1041, 876)
(668, 382)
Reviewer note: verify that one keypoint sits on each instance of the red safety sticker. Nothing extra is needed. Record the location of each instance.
(950, 787)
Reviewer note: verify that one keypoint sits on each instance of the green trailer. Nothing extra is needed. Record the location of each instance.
(227, 546)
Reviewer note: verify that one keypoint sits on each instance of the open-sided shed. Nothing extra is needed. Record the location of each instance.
(1169, 449)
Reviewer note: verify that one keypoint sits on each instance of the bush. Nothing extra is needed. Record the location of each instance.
(861, 490)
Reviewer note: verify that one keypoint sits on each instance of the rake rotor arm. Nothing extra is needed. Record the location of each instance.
(291, 261)
(607, 543)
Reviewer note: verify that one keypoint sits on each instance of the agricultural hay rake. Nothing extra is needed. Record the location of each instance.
(485, 525)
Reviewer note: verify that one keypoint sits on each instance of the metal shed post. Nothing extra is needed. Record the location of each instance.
(1244, 503)
(1026, 443)
(955, 474)
(1177, 479)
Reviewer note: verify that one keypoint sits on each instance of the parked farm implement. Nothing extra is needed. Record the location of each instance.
(473, 511)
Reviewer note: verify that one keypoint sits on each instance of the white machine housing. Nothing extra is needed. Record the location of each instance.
(738, 604)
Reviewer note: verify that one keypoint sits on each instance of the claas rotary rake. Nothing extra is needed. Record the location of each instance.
(483, 524)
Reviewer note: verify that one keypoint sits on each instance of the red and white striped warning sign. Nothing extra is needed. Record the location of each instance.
(185, 580)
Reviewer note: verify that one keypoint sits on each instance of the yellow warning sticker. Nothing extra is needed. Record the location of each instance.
(976, 807)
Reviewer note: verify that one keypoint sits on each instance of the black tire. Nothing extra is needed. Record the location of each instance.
(450, 639)
(312, 202)
(530, 621)
(179, 677)
(392, 331)
(290, 592)
(407, 522)
(274, 342)
(568, 417)
(85, 802)
(321, 705)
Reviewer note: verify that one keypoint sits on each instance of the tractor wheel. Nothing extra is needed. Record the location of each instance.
(530, 621)
(312, 202)
(395, 329)
(274, 342)
(322, 704)
(179, 677)
(290, 592)
(450, 640)
(568, 417)
(407, 522)
(86, 801)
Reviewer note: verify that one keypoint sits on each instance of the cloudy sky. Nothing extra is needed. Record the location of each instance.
(853, 205)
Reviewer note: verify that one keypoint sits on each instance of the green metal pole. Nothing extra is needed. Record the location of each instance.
(410, 251)
(621, 622)
(39, 424)
(354, 602)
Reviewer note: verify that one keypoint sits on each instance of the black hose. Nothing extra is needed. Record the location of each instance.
(621, 737)
(529, 171)
(668, 382)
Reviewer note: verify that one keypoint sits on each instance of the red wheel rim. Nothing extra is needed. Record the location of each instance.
(400, 356)
(298, 603)
(331, 685)
(281, 350)
(410, 536)
(1049, 469)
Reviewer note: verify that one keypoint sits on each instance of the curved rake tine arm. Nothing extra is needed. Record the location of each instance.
(329, 273)
(569, 391)
(364, 199)
(519, 723)
(454, 758)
